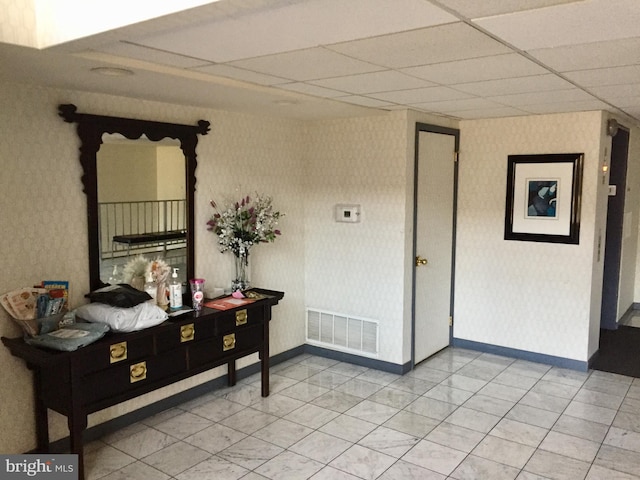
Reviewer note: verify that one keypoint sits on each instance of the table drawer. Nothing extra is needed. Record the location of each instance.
(220, 347)
(239, 319)
(118, 351)
(184, 334)
(127, 376)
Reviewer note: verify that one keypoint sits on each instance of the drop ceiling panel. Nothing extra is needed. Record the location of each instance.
(420, 95)
(561, 107)
(614, 93)
(507, 86)
(365, 101)
(384, 81)
(488, 113)
(311, 64)
(539, 98)
(240, 74)
(147, 54)
(449, 106)
(485, 8)
(612, 53)
(569, 24)
(445, 43)
(309, 89)
(296, 26)
(477, 69)
(606, 76)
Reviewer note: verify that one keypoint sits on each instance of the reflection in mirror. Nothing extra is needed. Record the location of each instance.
(91, 130)
(142, 204)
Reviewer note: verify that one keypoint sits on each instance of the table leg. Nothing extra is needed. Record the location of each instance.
(41, 414)
(231, 373)
(77, 424)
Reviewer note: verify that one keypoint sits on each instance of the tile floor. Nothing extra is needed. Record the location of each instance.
(459, 415)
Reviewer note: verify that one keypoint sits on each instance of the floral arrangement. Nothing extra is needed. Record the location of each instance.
(244, 224)
(138, 268)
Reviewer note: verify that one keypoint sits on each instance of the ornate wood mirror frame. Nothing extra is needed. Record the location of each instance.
(91, 129)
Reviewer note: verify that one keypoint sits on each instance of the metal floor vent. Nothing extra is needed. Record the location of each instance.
(342, 332)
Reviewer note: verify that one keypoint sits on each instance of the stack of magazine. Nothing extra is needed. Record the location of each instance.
(27, 305)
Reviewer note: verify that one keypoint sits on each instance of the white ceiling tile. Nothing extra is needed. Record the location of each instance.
(311, 90)
(141, 52)
(311, 64)
(616, 93)
(560, 107)
(364, 101)
(568, 24)
(375, 82)
(298, 25)
(449, 106)
(591, 55)
(420, 95)
(627, 102)
(499, 112)
(477, 69)
(240, 74)
(485, 8)
(606, 76)
(508, 86)
(536, 98)
(445, 43)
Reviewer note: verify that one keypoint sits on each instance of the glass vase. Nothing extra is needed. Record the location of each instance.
(241, 282)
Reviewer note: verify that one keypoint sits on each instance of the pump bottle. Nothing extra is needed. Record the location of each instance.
(175, 291)
(151, 288)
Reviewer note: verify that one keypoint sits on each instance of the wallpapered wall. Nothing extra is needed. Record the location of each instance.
(44, 227)
(525, 295)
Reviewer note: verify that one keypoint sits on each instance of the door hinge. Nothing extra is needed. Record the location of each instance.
(456, 156)
(451, 321)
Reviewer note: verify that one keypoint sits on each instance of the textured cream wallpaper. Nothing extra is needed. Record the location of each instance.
(525, 295)
(358, 268)
(44, 227)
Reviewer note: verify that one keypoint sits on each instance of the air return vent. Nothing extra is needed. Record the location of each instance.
(342, 332)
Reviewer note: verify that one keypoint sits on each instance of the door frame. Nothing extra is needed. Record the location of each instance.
(425, 127)
(614, 234)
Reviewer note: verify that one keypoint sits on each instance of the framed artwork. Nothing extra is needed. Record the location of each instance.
(543, 198)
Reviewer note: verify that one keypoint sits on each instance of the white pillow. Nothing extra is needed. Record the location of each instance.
(119, 319)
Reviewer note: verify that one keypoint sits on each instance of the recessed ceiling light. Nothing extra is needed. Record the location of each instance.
(112, 71)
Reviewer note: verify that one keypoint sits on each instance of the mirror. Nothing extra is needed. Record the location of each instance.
(172, 226)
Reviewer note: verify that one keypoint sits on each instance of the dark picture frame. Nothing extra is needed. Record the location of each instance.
(544, 194)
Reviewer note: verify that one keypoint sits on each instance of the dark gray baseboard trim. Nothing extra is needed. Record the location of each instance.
(62, 445)
(358, 360)
(522, 354)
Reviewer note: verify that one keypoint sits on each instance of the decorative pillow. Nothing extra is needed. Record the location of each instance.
(121, 295)
(119, 319)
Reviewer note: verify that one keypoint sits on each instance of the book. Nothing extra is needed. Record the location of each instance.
(227, 303)
(58, 285)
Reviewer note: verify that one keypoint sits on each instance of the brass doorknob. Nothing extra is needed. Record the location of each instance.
(420, 261)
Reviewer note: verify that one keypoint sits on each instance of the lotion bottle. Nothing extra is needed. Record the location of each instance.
(175, 291)
(151, 288)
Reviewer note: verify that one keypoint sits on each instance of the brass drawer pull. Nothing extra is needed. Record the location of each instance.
(118, 352)
(187, 332)
(241, 317)
(137, 372)
(228, 342)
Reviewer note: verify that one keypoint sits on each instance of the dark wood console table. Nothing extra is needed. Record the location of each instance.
(122, 366)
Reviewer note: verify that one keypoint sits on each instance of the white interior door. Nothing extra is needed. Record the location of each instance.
(435, 192)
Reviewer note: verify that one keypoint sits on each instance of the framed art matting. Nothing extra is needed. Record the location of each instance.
(543, 198)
